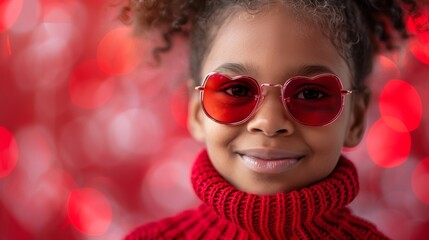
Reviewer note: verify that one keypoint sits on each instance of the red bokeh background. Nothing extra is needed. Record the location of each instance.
(93, 138)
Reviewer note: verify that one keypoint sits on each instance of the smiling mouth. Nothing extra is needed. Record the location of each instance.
(269, 165)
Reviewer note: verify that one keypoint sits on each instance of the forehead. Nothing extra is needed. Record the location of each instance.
(273, 43)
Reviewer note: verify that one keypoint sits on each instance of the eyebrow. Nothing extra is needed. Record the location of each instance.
(305, 70)
(308, 70)
(234, 68)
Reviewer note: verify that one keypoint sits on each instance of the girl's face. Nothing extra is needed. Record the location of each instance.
(272, 46)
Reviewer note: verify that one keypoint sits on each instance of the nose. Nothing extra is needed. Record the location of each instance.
(271, 118)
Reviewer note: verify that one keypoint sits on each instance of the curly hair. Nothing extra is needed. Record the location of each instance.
(357, 28)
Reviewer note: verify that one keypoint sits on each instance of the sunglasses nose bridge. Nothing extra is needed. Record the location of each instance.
(271, 85)
(264, 92)
(263, 85)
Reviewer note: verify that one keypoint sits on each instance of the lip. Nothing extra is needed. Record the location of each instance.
(269, 161)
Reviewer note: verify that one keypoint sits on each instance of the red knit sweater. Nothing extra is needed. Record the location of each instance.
(316, 212)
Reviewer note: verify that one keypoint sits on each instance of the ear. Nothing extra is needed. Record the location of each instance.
(357, 122)
(195, 117)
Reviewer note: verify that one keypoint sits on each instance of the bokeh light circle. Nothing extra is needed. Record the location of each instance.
(9, 13)
(386, 146)
(386, 67)
(8, 152)
(420, 50)
(400, 100)
(420, 181)
(89, 87)
(135, 131)
(419, 46)
(36, 150)
(29, 19)
(47, 60)
(89, 211)
(117, 52)
(417, 25)
(37, 203)
(179, 105)
(167, 179)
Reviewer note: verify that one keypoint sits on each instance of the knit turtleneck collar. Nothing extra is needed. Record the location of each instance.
(315, 212)
(310, 209)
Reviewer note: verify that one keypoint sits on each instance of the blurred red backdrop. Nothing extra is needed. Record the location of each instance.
(93, 138)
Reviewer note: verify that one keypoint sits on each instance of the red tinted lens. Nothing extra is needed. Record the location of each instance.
(229, 100)
(314, 101)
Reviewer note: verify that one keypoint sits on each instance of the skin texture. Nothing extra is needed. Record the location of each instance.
(272, 46)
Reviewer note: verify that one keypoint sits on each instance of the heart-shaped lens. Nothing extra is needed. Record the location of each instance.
(229, 100)
(313, 101)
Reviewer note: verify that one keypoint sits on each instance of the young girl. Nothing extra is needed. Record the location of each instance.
(279, 91)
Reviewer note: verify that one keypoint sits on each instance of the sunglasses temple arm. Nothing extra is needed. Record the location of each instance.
(199, 88)
(345, 92)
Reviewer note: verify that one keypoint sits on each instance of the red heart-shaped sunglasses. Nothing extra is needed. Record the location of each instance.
(311, 101)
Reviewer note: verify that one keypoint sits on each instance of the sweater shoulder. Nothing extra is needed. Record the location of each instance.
(167, 228)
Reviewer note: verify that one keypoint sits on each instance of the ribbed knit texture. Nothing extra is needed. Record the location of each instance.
(315, 212)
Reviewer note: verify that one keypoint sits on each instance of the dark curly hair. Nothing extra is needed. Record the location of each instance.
(358, 28)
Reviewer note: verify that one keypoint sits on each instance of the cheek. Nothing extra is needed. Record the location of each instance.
(218, 135)
(328, 139)
(332, 135)
(337, 131)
